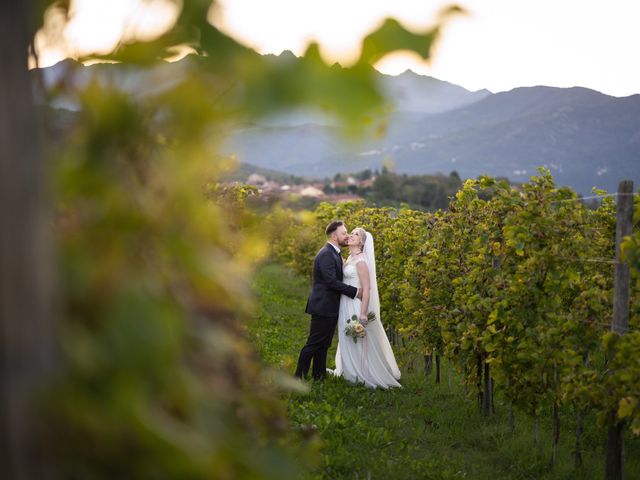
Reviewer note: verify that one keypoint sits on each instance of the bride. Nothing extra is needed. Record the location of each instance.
(370, 360)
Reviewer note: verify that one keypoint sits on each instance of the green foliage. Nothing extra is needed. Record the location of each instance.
(619, 390)
(393, 36)
(151, 298)
(157, 378)
(520, 280)
(424, 192)
(420, 431)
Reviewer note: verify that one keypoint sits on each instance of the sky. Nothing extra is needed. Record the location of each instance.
(498, 45)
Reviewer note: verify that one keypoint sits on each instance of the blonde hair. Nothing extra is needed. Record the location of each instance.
(362, 234)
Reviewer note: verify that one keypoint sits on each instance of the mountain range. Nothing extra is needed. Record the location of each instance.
(587, 139)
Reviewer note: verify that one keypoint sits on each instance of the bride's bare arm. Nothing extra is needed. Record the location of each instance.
(363, 274)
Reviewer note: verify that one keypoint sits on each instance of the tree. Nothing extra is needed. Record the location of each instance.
(26, 323)
(152, 279)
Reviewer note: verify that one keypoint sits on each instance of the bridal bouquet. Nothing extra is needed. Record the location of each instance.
(355, 329)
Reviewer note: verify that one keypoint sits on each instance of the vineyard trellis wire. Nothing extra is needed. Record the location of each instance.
(593, 197)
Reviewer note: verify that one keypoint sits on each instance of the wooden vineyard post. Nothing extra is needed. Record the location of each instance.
(555, 420)
(512, 420)
(578, 444)
(479, 364)
(487, 398)
(428, 363)
(614, 466)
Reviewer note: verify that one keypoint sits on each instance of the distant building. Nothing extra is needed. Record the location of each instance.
(368, 183)
(270, 189)
(311, 191)
(256, 179)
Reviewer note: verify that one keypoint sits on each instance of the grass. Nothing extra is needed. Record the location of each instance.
(423, 430)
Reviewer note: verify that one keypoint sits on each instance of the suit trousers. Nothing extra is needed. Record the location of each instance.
(318, 343)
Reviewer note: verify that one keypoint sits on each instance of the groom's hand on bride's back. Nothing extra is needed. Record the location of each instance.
(359, 294)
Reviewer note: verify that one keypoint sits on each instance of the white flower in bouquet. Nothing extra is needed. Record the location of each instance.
(355, 329)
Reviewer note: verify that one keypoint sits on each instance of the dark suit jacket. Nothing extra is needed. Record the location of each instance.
(327, 284)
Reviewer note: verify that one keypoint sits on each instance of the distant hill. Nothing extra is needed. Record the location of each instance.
(586, 138)
(244, 170)
(415, 93)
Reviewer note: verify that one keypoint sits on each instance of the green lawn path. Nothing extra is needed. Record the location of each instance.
(422, 431)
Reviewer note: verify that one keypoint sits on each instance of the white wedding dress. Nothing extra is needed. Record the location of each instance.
(370, 360)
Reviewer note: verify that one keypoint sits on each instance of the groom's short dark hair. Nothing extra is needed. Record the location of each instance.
(333, 226)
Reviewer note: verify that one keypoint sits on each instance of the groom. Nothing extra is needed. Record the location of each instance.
(324, 302)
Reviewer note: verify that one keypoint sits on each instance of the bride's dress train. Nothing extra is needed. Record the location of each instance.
(370, 360)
